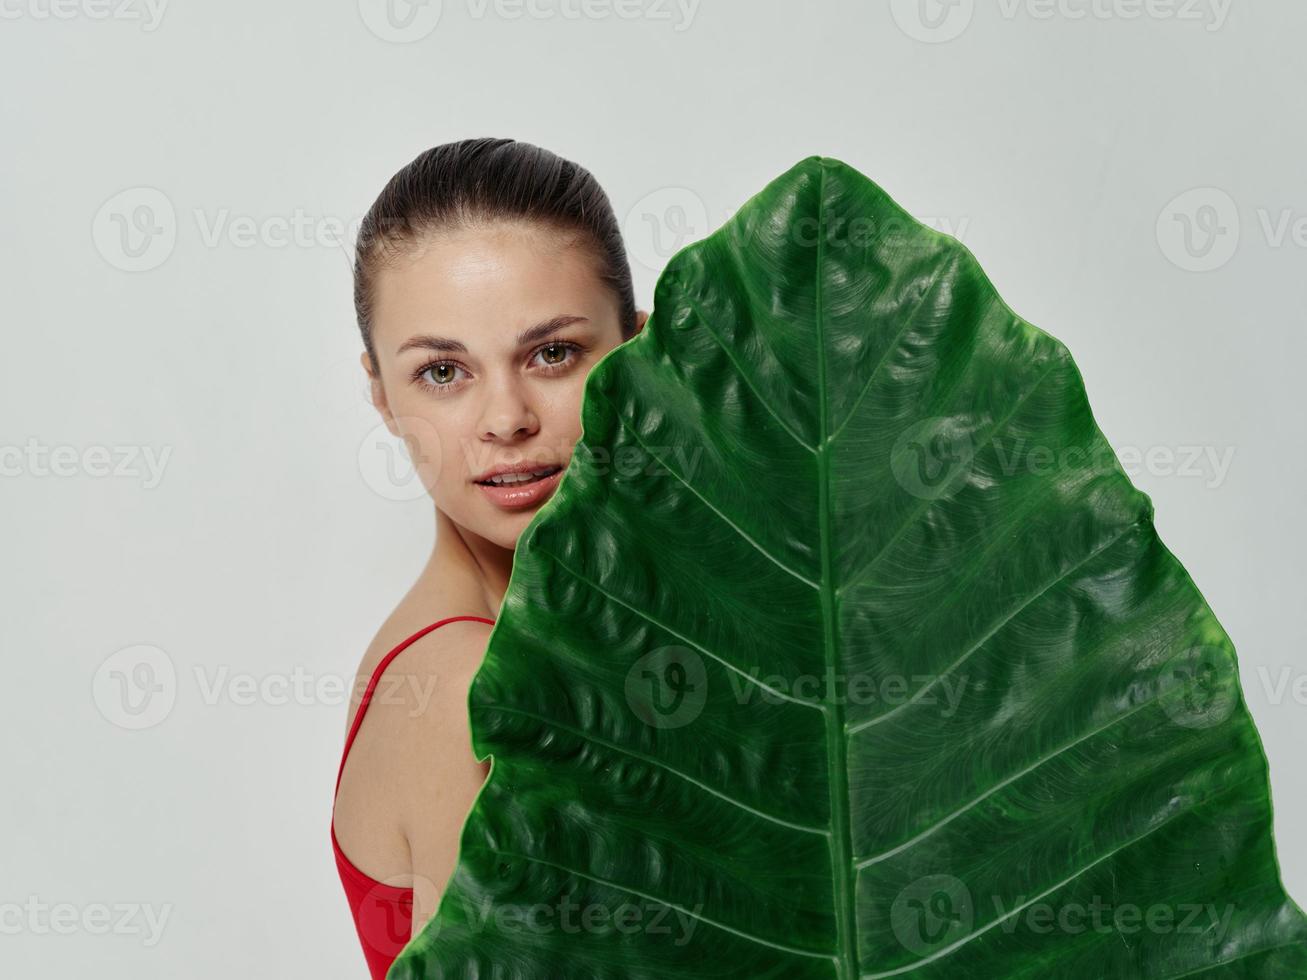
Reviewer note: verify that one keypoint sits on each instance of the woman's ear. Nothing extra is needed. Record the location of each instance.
(640, 317)
(377, 393)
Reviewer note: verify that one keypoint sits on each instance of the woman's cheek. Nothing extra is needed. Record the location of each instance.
(427, 450)
(565, 414)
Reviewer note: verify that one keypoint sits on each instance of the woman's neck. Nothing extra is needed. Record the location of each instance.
(467, 564)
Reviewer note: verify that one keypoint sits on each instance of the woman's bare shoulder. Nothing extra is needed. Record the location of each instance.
(431, 774)
(411, 775)
(422, 607)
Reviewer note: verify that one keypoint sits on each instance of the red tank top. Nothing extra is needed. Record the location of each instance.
(383, 914)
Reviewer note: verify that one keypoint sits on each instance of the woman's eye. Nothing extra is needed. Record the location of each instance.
(439, 375)
(554, 354)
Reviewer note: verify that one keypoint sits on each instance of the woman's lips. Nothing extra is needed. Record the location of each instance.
(515, 496)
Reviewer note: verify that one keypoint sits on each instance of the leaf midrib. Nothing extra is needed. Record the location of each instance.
(842, 872)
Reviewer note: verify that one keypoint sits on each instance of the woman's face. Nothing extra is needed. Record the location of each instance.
(484, 337)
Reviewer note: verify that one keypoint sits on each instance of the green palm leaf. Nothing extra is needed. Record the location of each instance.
(846, 649)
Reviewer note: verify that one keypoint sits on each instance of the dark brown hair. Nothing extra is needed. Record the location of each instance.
(486, 180)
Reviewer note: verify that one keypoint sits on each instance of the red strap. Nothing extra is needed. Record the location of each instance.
(376, 676)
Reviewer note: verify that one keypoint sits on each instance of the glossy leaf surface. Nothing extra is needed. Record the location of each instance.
(846, 648)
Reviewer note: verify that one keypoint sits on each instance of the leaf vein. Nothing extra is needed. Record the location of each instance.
(945, 951)
(797, 951)
(707, 503)
(743, 375)
(1235, 959)
(893, 345)
(1066, 747)
(926, 502)
(685, 639)
(624, 750)
(1007, 618)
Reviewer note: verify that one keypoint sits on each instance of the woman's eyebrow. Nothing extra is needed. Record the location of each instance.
(527, 336)
(541, 330)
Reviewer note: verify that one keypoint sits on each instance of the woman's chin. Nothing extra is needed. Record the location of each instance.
(506, 529)
(501, 526)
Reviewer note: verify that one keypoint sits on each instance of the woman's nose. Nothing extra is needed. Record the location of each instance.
(507, 415)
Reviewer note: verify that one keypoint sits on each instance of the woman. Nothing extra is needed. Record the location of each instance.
(490, 277)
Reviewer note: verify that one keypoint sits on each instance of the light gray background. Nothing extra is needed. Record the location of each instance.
(1062, 142)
